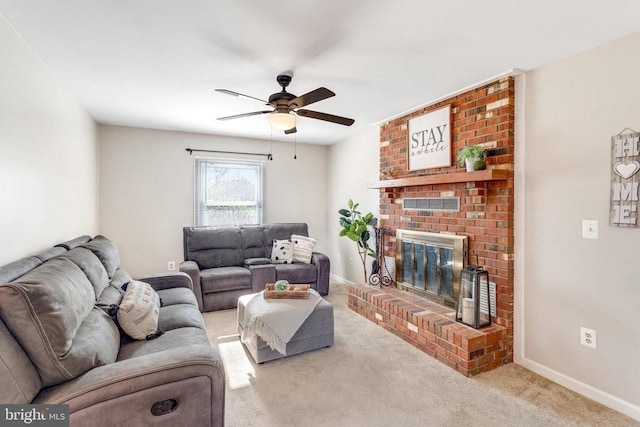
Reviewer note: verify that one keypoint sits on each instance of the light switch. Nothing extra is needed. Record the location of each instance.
(589, 229)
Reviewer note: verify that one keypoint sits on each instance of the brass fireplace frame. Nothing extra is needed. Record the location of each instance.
(459, 246)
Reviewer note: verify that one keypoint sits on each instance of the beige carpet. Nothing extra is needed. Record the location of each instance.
(370, 377)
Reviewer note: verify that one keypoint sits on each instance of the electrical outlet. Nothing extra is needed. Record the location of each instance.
(350, 261)
(171, 265)
(588, 337)
(338, 257)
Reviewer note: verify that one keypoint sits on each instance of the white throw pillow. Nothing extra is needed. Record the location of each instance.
(282, 252)
(303, 248)
(139, 311)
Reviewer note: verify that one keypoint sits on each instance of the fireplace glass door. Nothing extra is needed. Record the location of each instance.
(430, 264)
(428, 268)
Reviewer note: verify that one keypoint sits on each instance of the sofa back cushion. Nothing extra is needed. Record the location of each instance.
(106, 251)
(282, 231)
(213, 247)
(91, 267)
(20, 380)
(252, 241)
(50, 311)
(17, 268)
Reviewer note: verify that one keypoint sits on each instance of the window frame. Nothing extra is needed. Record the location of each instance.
(200, 165)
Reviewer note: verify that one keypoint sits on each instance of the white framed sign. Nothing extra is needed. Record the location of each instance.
(429, 143)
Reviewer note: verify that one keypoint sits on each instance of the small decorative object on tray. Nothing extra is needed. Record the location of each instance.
(282, 289)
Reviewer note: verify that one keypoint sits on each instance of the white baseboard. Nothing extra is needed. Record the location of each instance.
(340, 279)
(613, 402)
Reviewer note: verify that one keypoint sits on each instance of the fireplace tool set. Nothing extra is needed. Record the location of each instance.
(378, 276)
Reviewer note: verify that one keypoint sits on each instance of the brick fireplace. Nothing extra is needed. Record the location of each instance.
(484, 115)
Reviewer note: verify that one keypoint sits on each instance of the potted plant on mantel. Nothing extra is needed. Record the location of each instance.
(473, 156)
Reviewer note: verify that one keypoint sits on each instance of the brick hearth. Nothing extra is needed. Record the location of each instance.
(432, 328)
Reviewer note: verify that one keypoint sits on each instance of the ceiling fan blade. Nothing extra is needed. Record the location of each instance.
(292, 130)
(237, 116)
(232, 93)
(311, 97)
(326, 117)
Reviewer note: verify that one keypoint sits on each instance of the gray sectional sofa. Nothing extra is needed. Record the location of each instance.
(60, 344)
(225, 263)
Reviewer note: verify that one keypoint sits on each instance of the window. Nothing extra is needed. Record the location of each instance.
(228, 192)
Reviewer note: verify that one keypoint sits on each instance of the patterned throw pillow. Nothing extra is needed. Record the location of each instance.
(302, 248)
(139, 311)
(282, 252)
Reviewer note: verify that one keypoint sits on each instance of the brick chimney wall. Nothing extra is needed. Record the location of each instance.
(480, 116)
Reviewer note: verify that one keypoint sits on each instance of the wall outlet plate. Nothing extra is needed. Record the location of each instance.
(171, 265)
(588, 338)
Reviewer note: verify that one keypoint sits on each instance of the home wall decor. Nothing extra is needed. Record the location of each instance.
(625, 165)
(429, 144)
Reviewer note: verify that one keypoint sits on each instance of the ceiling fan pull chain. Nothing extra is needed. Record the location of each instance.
(295, 146)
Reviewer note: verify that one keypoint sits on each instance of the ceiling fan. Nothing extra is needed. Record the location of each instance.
(287, 106)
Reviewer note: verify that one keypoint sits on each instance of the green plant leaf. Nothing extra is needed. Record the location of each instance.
(350, 204)
(344, 212)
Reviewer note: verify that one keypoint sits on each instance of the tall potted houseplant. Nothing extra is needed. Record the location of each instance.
(355, 226)
(473, 157)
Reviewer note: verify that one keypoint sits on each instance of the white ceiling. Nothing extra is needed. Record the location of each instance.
(156, 63)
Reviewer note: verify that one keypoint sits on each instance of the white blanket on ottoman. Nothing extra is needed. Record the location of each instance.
(276, 320)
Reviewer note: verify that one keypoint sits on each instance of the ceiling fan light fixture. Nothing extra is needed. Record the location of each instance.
(282, 121)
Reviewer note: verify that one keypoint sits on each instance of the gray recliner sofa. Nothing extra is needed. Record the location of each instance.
(225, 263)
(60, 344)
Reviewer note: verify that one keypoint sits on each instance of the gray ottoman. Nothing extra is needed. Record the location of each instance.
(316, 332)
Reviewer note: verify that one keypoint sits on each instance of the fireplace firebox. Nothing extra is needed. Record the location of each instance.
(430, 264)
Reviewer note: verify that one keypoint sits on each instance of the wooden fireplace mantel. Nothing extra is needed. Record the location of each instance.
(444, 178)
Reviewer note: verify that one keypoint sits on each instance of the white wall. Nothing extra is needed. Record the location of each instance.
(572, 110)
(146, 189)
(352, 164)
(48, 156)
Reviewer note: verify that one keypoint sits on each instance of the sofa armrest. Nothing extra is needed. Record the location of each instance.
(124, 391)
(322, 263)
(261, 274)
(168, 280)
(192, 269)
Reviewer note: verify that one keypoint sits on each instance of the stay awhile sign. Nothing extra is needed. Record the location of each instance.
(430, 140)
(625, 165)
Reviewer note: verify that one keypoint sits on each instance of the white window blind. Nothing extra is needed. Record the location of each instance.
(228, 192)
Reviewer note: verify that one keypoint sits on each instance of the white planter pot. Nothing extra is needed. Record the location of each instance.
(470, 163)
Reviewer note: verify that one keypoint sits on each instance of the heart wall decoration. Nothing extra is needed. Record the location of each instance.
(625, 179)
(626, 170)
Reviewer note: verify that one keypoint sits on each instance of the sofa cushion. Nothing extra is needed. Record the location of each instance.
(74, 243)
(17, 268)
(282, 252)
(225, 279)
(303, 247)
(213, 247)
(106, 251)
(297, 273)
(139, 311)
(91, 267)
(50, 311)
(120, 277)
(252, 241)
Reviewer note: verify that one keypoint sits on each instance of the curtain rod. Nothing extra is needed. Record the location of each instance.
(191, 150)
